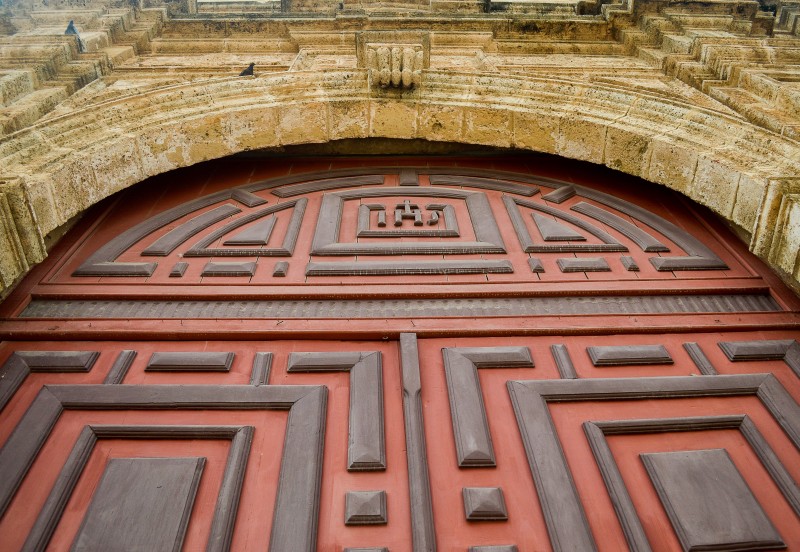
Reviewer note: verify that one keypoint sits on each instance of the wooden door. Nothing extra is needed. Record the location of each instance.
(416, 354)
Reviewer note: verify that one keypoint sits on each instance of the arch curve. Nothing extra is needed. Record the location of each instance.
(57, 168)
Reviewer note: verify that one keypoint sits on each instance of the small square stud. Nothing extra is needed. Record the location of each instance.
(365, 508)
(484, 504)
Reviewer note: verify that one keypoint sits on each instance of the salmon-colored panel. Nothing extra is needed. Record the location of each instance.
(569, 417)
(258, 493)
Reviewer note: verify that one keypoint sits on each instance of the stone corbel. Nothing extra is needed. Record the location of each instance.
(395, 59)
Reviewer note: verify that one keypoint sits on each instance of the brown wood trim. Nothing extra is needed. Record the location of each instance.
(390, 328)
(297, 501)
(399, 308)
(467, 412)
(366, 449)
(564, 515)
(423, 534)
(227, 501)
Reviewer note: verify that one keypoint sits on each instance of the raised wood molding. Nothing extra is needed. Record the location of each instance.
(468, 414)
(563, 511)
(294, 525)
(366, 449)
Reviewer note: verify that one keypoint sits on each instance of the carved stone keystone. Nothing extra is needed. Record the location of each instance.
(394, 58)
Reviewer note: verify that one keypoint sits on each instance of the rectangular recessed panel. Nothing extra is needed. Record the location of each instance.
(709, 504)
(141, 504)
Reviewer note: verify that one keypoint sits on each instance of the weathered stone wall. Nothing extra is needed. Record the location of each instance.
(702, 97)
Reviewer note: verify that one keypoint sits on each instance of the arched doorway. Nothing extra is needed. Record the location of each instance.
(403, 352)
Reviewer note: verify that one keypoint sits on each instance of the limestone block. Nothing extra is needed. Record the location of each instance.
(440, 122)
(160, 149)
(487, 126)
(749, 198)
(74, 187)
(581, 138)
(14, 84)
(767, 222)
(536, 131)
(12, 258)
(393, 119)
(302, 123)
(672, 163)
(249, 129)
(42, 205)
(116, 165)
(715, 185)
(626, 150)
(348, 119)
(204, 138)
(785, 253)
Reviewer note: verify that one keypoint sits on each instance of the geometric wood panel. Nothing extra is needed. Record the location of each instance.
(563, 511)
(181, 287)
(141, 504)
(227, 500)
(708, 502)
(596, 433)
(362, 212)
(294, 525)
(22, 363)
(468, 413)
(367, 449)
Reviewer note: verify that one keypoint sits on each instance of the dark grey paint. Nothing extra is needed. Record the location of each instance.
(366, 449)
(484, 504)
(294, 526)
(708, 502)
(583, 264)
(629, 519)
(286, 249)
(423, 535)
(229, 269)
(626, 355)
(21, 363)
(483, 183)
(564, 516)
(120, 367)
(467, 411)
(527, 243)
(566, 369)
(384, 268)
(257, 234)
(645, 241)
(365, 508)
(400, 308)
(140, 504)
(555, 231)
(194, 361)
(169, 242)
(487, 235)
(700, 359)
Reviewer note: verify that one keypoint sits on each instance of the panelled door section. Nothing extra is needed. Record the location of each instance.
(351, 354)
(613, 443)
(202, 445)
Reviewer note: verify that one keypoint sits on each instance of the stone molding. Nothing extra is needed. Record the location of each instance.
(724, 133)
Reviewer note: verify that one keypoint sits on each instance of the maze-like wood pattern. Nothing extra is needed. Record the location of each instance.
(416, 357)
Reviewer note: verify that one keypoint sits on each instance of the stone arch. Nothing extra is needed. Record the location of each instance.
(60, 166)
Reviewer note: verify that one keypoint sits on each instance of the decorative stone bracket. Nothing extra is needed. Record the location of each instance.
(394, 58)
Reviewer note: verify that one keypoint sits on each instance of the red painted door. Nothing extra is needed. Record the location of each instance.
(416, 354)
